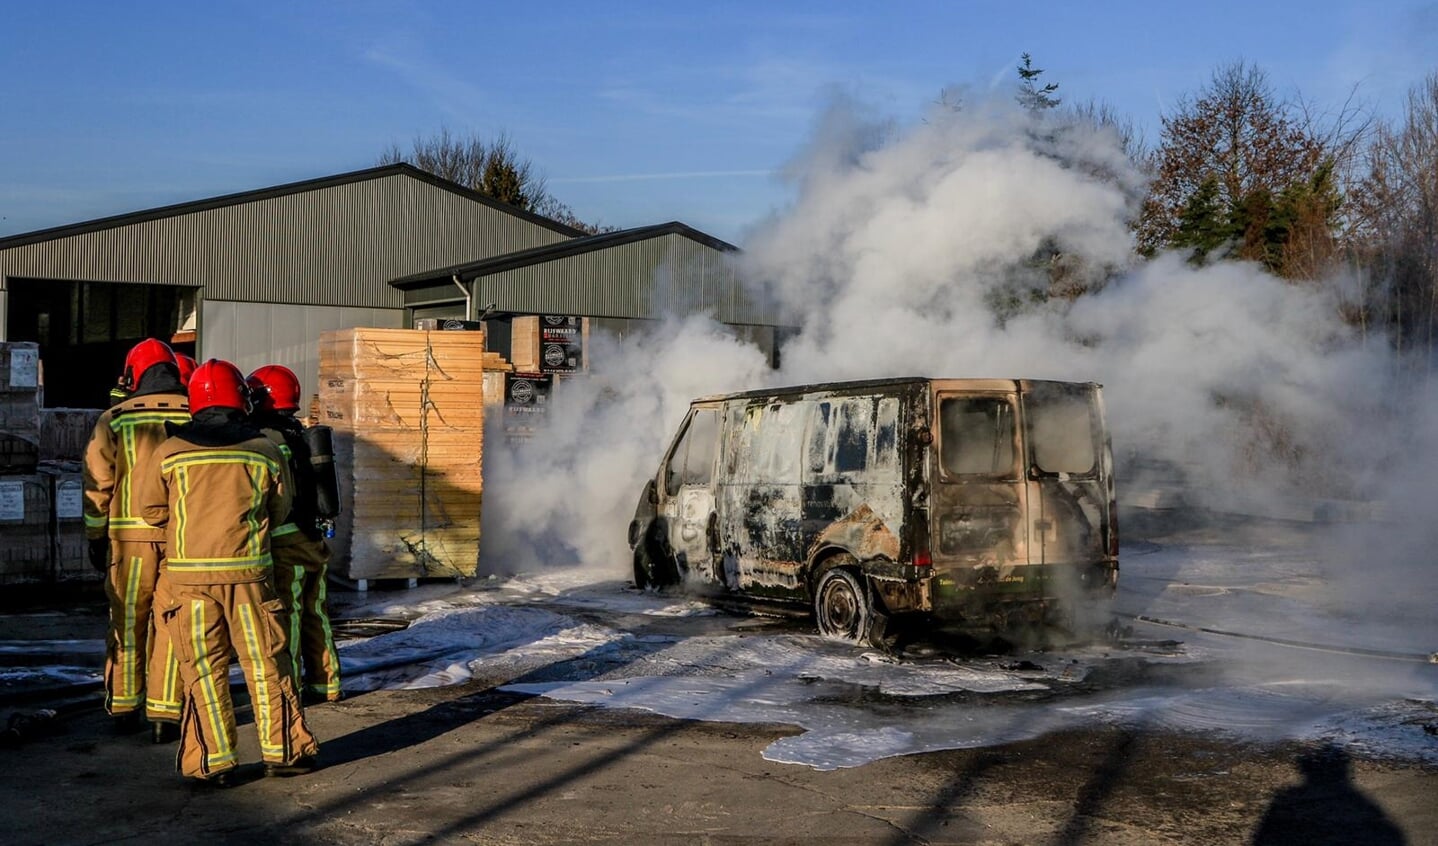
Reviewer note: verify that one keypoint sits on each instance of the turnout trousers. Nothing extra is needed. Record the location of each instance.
(300, 576)
(206, 622)
(141, 667)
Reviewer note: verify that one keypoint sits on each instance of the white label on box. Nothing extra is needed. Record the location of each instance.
(69, 501)
(24, 367)
(12, 500)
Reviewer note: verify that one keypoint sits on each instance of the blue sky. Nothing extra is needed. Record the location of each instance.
(636, 113)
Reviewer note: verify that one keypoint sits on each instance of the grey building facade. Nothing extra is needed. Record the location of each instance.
(256, 277)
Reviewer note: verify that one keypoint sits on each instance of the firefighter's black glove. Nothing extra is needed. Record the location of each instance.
(100, 554)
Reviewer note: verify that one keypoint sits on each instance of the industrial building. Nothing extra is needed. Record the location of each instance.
(255, 277)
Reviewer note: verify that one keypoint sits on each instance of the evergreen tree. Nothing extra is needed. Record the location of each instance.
(1203, 225)
(1031, 96)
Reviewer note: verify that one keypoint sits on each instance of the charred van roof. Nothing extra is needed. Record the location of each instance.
(861, 385)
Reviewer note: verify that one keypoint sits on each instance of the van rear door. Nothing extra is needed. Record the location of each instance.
(978, 499)
(1070, 480)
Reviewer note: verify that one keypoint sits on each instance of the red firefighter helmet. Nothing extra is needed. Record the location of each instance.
(219, 384)
(275, 388)
(187, 366)
(142, 357)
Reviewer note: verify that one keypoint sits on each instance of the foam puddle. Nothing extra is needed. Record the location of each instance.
(564, 636)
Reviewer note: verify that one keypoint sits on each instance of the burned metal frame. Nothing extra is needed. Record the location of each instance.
(851, 475)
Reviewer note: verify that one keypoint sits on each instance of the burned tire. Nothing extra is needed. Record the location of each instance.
(842, 609)
(642, 579)
(652, 567)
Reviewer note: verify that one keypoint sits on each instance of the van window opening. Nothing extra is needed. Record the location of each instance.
(818, 451)
(855, 420)
(886, 438)
(977, 436)
(1061, 432)
(693, 461)
(762, 444)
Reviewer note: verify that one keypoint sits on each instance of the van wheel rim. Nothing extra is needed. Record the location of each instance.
(841, 609)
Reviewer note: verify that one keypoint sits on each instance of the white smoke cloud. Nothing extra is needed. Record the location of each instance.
(893, 258)
(568, 495)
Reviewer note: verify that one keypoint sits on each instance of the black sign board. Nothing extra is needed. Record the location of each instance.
(561, 343)
(526, 402)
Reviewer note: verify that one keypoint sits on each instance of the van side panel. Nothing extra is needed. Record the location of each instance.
(759, 497)
(854, 477)
(809, 476)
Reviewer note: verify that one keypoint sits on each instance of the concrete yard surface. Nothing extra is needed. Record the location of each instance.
(468, 764)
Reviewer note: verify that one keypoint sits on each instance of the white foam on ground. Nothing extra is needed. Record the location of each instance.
(548, 635)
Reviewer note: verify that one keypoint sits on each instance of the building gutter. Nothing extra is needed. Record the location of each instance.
(468, 295)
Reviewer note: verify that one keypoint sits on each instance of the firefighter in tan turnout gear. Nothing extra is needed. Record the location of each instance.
(219, 486)
(301, 554)
(141, 676)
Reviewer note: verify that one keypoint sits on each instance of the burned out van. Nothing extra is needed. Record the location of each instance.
(950, 502)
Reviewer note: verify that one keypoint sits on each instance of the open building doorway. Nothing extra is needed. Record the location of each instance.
(84, 330)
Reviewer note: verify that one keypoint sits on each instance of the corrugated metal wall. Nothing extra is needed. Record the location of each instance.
(255, 334)
(334, 245)
(763, 337)
(671, 274)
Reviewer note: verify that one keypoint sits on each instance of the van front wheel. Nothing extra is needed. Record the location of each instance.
(841, 607)
(652, 567)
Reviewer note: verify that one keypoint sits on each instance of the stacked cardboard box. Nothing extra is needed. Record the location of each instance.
(64, 432)
(25, 552)
(43, 527)
(527, 344)
(67, 505)
(407, 407)
(19, 407)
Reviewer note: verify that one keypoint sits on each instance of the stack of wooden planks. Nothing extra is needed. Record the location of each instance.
(524, 343)
(407, 407)
(495, 366)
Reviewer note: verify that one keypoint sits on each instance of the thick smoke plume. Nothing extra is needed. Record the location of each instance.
(988, 242)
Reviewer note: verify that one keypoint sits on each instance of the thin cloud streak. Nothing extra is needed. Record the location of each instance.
(644, 177)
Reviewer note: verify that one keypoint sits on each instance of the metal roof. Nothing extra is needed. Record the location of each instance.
(194, 206)
(563, 249)
(335, 241)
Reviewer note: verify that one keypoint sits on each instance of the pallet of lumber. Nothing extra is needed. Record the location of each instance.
(407, 407)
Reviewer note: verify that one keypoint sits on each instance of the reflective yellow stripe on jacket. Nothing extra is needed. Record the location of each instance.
(260, 471)
(124, 426)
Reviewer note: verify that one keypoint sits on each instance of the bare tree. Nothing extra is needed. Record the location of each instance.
(1102, 115)
(1395, 223)
(494, 168)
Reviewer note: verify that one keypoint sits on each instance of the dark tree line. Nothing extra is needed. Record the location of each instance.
(1333, 198)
